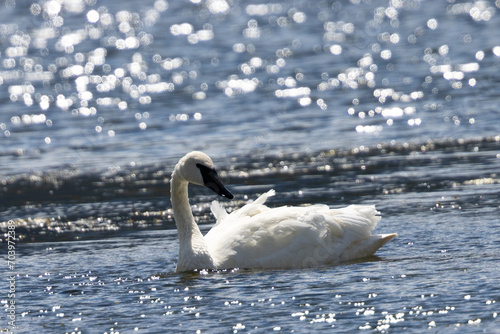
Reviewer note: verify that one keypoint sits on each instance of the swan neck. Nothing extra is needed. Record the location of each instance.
(180, 204)
(193, 250)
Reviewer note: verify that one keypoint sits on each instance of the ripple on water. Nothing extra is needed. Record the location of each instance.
(327, 104)
(88, 78)
(407, 176)
(410, 286)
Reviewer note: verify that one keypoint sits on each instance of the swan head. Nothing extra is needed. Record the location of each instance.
(197, 168)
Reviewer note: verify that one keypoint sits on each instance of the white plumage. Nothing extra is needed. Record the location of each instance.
(256, 236)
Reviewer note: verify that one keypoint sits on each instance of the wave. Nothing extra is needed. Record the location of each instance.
(70, 204)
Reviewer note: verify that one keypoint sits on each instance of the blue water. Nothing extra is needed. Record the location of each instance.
(387, 103)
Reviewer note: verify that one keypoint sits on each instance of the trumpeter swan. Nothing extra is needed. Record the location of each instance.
(257, 236)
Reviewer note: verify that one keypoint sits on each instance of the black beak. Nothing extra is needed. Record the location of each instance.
(212, 181)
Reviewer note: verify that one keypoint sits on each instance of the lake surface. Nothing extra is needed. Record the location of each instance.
(387, 103)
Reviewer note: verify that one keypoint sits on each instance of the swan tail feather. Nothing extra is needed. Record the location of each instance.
(365, 247)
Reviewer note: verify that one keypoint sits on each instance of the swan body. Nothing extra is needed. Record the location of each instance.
(257, 236)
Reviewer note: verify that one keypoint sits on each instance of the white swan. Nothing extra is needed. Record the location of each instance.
(256, 236)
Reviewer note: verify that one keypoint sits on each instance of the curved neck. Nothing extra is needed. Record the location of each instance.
(180, 204)
(193, 250)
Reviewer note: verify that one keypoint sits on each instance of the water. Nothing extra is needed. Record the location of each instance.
(392, 104)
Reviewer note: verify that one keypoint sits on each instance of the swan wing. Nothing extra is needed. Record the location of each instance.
(218, 211)
(249, 209)
(255, 207)
(259, 237)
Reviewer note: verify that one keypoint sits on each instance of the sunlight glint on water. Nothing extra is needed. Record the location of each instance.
(387, 103)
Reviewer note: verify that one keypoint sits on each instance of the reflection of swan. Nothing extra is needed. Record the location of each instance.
(256, 236)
